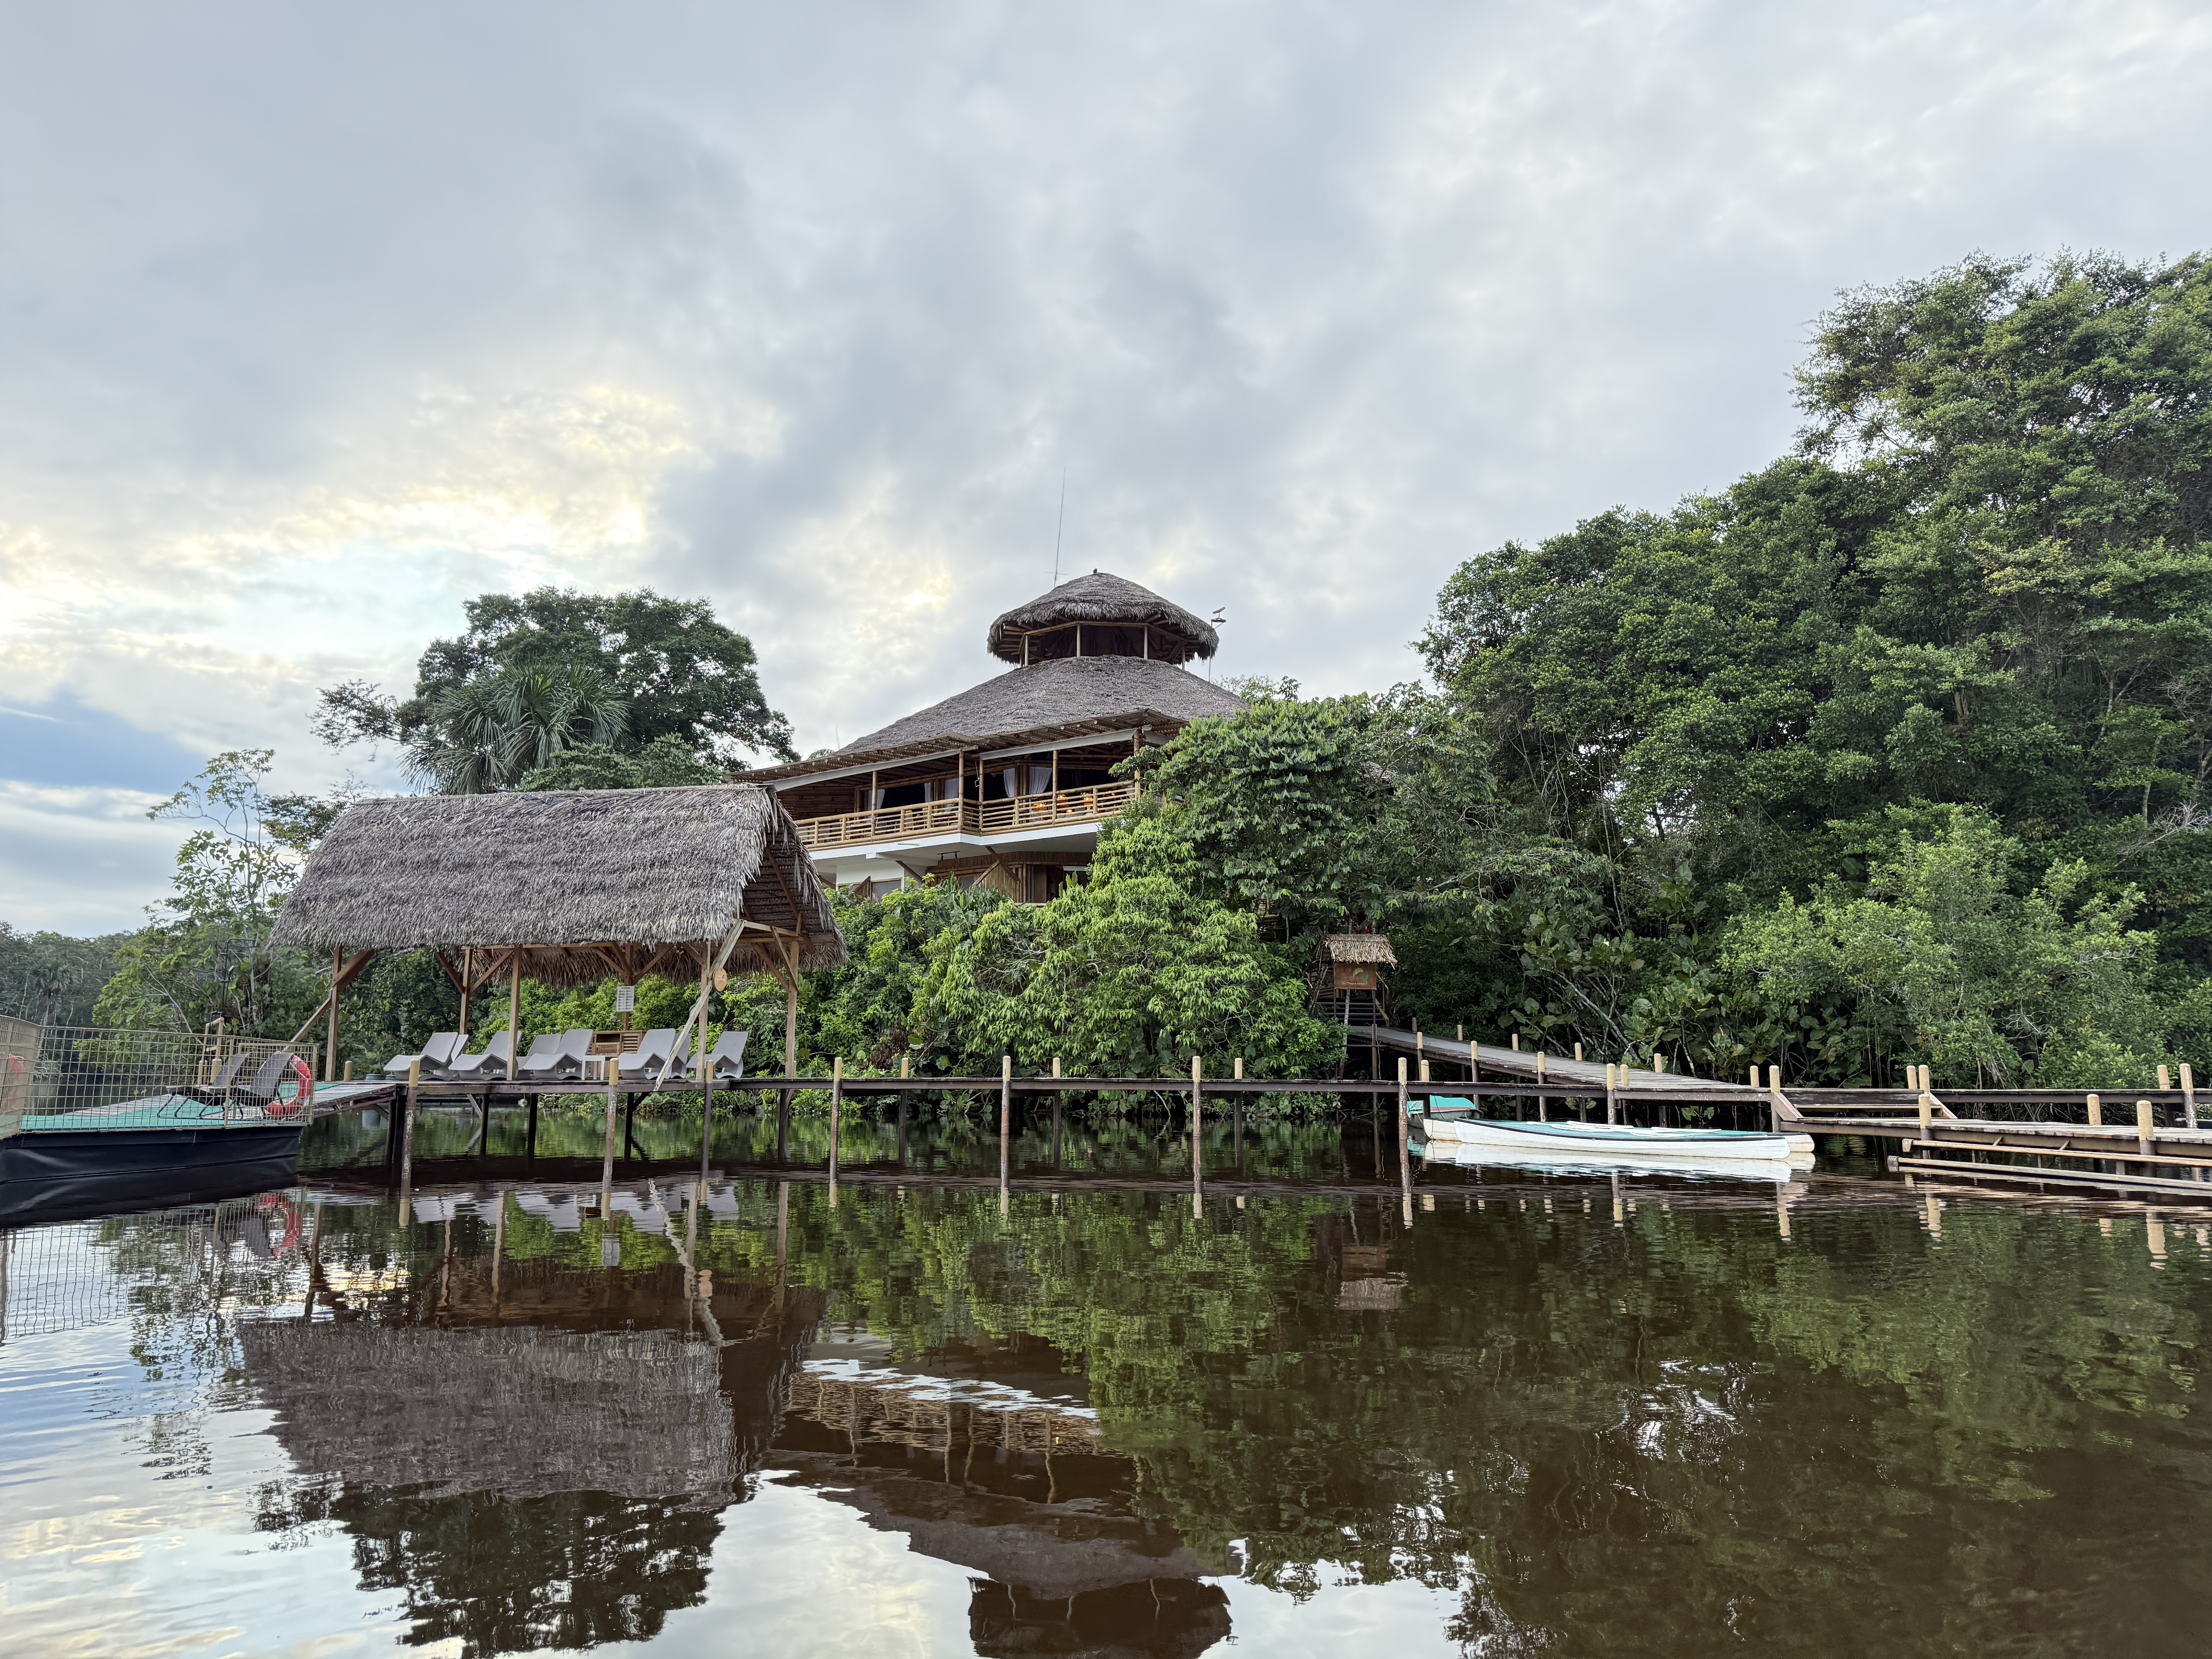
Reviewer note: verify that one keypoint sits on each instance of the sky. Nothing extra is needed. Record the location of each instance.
(317, 320)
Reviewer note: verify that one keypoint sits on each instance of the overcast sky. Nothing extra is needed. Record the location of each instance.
(315, 320)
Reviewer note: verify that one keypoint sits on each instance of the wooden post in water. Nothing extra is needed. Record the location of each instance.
(1773, 1095)
(706, 1098)
(1543, 1101)
(514, 1009)
(607, 1165)
(498, 1248)
(1405, 1144)
(1237, 1116)
(836, 1118)
(906, 1063)
(2189, 1098)
(1197, 1153)
(1612, 1104)
(1006, 1121)
(2145, 1123)
(1927, 1114)
(407, 1135)
(530, 1152)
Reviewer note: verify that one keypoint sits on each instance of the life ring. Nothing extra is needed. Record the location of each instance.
(288, 1214)
(298, 1072)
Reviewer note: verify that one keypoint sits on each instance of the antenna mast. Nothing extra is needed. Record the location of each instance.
(1058, 525)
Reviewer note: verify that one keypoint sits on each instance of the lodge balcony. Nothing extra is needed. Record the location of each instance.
(1091, 803)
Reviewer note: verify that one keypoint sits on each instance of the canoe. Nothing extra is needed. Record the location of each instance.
(1611, 1142)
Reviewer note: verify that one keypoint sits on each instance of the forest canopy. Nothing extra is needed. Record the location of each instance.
(1895, 750)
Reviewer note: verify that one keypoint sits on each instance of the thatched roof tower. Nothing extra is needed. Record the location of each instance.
(582, 884)
(1100, 615)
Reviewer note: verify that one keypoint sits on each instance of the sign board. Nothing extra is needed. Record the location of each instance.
(625, 999)
(1355, 977)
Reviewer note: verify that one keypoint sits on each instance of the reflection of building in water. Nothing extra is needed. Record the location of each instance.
(536, 1457)
(1018, 1488)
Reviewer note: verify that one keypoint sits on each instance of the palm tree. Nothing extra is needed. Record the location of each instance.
(485, 734)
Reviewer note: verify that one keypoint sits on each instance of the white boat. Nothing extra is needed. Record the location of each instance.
(1609, 1143)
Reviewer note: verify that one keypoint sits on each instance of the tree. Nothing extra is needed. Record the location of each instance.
(669, 667)
(205, 953)
(664, 764)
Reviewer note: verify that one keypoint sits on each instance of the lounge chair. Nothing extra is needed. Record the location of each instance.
(262, 1091)
(565, 1061)
(726, 1061)
(216, 1093)
(490, 1065)
(437, 1051)
(650, 1056)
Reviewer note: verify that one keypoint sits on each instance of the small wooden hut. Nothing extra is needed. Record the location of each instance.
(1348, 983)
(567, 888)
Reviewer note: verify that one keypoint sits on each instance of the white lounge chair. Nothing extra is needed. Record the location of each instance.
(566, 1060)
(725, 1060)
(437, 1051)
(650, 1056)
(491, 1064)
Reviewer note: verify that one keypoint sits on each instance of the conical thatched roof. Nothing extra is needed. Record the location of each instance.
(1357, 947)
(1112, 601)
(573, 877)
(1069, 691)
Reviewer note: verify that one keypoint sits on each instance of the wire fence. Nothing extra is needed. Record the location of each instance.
(65, 1071)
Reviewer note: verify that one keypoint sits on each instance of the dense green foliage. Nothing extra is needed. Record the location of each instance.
(52, 979)
(537, 674)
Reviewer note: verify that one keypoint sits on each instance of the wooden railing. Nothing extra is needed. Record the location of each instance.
(944, 817)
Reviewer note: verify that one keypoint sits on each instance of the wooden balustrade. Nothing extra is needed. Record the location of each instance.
(942, 818)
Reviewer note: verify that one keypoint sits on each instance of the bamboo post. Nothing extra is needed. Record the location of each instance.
(1404, 1143)
(836, 1115)
(1197, 1155)
(1240, 1068)
(407, 1135)
(2096, 1110)
(1006, 1121)
(330, 1052)
(514, 1007)
(607, 1165)
(705, 1094)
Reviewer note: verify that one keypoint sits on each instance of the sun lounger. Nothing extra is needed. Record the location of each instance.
(437, 1051)
(650, 1056)
(727, 1063)
(491, 1064)
(555, 1056)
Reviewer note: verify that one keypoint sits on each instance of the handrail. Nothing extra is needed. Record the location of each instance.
(996, 818)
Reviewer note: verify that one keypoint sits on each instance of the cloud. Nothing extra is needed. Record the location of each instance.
(318, 322)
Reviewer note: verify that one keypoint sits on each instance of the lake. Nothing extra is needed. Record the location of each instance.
(1528, 1413)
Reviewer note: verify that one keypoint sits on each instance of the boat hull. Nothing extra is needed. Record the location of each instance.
(1603, 1143)
(48, 1173)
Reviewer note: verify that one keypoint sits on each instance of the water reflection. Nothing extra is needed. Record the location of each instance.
(1633, 1414)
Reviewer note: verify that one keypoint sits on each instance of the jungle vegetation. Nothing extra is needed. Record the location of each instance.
(1893, 751)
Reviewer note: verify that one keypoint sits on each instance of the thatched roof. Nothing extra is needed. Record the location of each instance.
(1099, 598)
(581, 880)
(1108, 692)
(1357, 947)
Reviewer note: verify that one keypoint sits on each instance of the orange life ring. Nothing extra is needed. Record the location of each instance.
(300, 1073)
(277, 1204)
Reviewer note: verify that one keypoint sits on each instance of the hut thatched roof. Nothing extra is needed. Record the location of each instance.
(586, 883)
(1105, 691)
(1359, 947)
(1099, 598)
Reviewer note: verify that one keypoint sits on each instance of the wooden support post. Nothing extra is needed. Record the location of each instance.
(1927, 1114)
(629, 1127)
(2146, 1122)
(498, 1248)
(1197, 1129)
(607, 1164)
(514, 1009)
(1405, 1141)
(531, 1151)
(407, 1135)
(484, 1124)
(1773, 1095)
(1005, 1122)
(1612, 1104)
(2188, 1094)
(1543, 1101)
(330, 1052)
(706, 1098)
(2164, 1080)
(2096, 1110)
(836, 1115)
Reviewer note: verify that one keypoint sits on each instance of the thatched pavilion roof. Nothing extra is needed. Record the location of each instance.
(1116, 691)
(1357, 947)
(1112, 601)
(585, 883)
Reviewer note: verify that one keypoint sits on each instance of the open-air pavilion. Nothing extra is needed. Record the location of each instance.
(568, 888)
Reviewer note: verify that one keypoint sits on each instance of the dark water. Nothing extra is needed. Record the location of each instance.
(1553, 1414)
